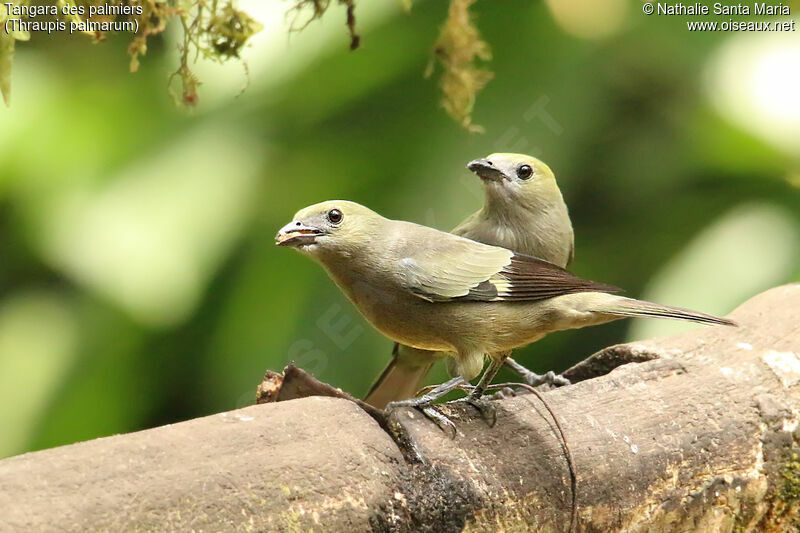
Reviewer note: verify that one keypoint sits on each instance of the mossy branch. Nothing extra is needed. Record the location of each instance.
(218, 30)
(459, 50)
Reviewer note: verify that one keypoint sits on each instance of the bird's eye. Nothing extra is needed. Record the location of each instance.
(524, 172)
(335, 216)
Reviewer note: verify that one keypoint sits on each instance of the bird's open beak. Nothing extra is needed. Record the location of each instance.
(485, 170)
(297, 234)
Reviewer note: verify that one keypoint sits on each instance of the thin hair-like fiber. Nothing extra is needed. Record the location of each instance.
(573, 522)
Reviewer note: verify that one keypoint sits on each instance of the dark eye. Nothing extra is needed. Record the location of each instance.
(524, 172)
(335, 216)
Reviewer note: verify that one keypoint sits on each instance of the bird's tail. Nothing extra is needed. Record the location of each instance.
(402, 378)
(628, 307)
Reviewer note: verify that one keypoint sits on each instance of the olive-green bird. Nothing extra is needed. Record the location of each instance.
(437, 291)
(523, 211)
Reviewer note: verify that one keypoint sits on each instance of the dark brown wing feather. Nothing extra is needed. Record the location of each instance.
(528, 278)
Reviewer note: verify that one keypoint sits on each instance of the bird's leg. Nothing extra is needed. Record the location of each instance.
(429, 397)
(533, 379)
(424, 403)
(464, 385)
(488, 376)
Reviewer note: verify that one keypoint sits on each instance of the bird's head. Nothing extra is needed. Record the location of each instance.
(333, 226)
(509, 177)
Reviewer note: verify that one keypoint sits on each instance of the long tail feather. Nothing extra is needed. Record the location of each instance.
(640, 308)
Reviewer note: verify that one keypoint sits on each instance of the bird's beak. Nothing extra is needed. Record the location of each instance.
(485, 170)
(296, 234)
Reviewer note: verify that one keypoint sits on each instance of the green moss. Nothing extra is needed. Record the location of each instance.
(790, 490)
(7, 44)
(217, 30)
(458, 51)
(212, 29)
(314, 9)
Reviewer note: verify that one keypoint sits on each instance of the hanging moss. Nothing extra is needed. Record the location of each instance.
(7, 45)
(152, 21)
(458, 51)
(314, 9)
(218, 30)
(6, 55)
(229, 30)
(215, 29)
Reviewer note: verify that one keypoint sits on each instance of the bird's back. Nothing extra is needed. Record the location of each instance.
(546, 235)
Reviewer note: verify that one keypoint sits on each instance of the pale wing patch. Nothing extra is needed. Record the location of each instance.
(453, 269)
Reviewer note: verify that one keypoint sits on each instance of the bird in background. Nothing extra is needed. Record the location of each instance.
(433, 290)
(523, 211)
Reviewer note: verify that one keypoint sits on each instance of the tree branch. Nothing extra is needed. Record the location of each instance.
(696, 432)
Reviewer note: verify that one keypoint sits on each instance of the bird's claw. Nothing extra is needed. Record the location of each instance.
(444, 423)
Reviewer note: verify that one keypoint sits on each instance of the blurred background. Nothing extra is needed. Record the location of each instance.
(139, 282)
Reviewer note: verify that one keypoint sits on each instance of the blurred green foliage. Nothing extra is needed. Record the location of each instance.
(139, 282)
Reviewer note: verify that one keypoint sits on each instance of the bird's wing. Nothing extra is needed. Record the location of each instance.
(459, 269)
(447, 269)
(528, 278)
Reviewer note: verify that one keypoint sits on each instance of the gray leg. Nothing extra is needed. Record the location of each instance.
(475, 397)
(533, 379)
(430, 397)
(488, 376)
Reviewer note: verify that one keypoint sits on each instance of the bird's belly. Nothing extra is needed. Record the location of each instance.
(461, 326)
(464, 327)
(405, 319)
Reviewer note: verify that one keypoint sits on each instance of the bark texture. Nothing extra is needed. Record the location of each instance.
(696, 432)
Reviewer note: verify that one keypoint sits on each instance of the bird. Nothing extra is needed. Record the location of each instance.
(433, 290)
(523, 211)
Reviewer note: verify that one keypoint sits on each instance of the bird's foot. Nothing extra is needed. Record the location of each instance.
(533, 379)
(549, 378)
(425, 404)
(431, 413)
